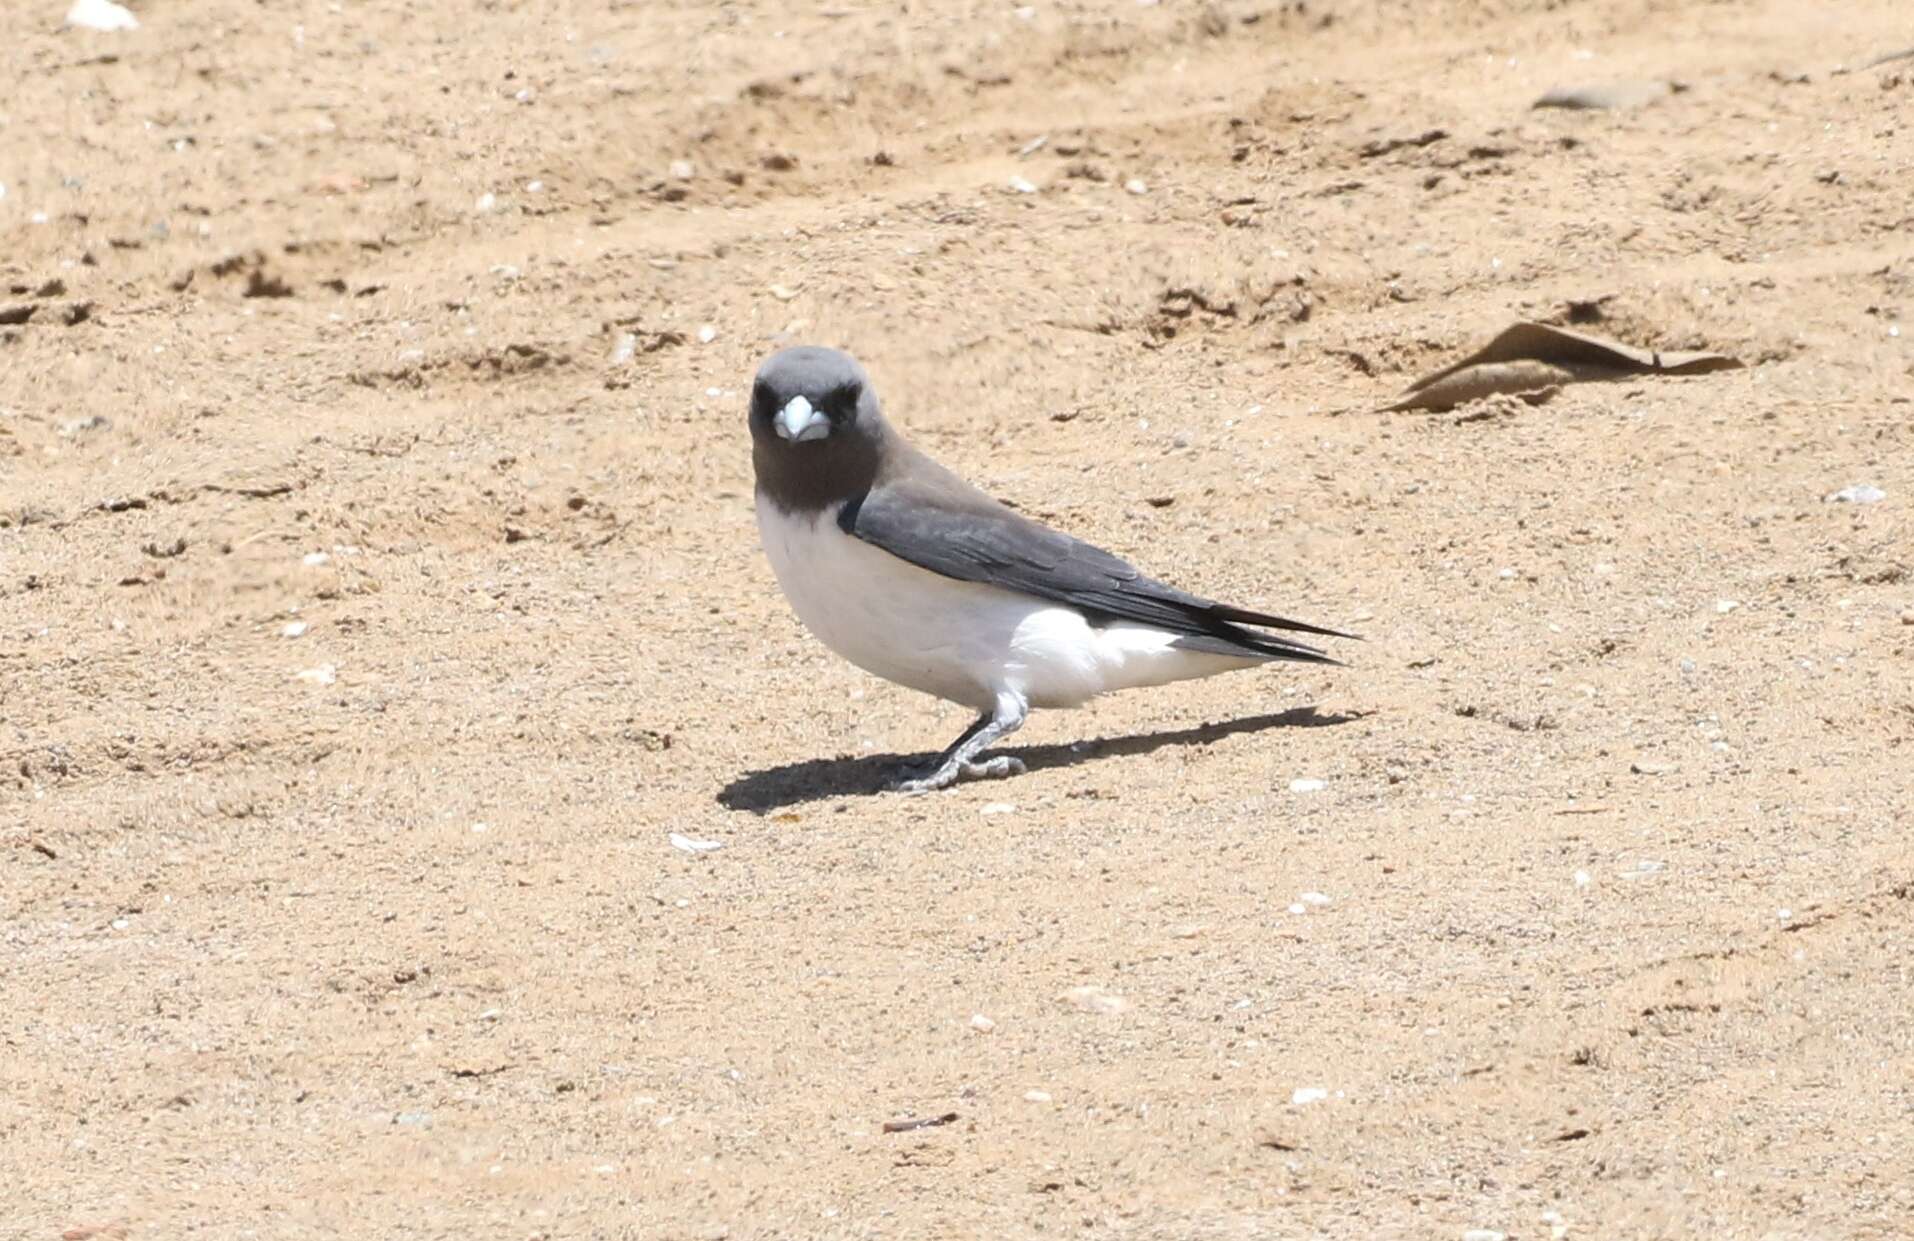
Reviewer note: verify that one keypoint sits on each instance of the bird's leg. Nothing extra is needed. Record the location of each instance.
(960, 760)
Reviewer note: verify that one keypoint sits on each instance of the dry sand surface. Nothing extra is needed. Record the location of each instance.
(379, 592)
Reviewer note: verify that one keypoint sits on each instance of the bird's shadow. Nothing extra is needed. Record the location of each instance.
(773, 788)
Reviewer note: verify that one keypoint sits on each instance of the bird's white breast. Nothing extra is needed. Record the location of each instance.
(963, 641)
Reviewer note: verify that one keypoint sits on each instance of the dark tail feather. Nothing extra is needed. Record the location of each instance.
(1229, 640)
(1243, 616)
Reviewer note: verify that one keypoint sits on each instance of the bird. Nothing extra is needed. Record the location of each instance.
(912, 574)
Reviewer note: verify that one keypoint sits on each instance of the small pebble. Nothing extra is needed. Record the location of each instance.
(1136, 185)
(626, 348)
(1021, 185)
(683, 170)
(1907, 617)
(1036, 1096)
(981, 1024)
(80, 426)
(324, 674)
(707, 334)
(999, 807)
(1859, 493)
(534, 187)
(1784, 914)
(486, 202)
(294, 629)
(1484, 1234)
(1308, 785)
(783, 293)
(1725, 606)
(1094, 999)
(1308, 1094)
(314, 559)
(1648, 767)
(120, 924)
(1313, 898)
(1582, 879)
(1299, 909)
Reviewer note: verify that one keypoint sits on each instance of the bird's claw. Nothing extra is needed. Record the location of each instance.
(950, 773)
(995, 768)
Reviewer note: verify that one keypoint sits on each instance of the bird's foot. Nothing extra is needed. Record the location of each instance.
(994, 768)
(957, 769)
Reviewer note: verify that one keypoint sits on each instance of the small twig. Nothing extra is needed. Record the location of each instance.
(268, 532)
(926, 1122)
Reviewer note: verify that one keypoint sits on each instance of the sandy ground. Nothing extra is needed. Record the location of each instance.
(312, 317)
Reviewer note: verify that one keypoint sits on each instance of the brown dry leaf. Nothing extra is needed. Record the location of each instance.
(1529, 356)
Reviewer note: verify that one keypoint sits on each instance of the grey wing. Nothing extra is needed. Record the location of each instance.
(970, 537)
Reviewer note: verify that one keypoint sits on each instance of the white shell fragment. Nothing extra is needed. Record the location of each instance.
(101, 15)
(693, 845)
(1859, 493)
(1308, 785)
(1308, 1094)
(324, 674)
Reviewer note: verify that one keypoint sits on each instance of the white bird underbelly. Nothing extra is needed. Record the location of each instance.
(963, 641)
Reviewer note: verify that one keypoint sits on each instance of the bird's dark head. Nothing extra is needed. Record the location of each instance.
(816, 430)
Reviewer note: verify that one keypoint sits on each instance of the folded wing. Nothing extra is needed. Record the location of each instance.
(937, 522)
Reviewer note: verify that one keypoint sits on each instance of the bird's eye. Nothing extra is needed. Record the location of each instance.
(841, 401)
